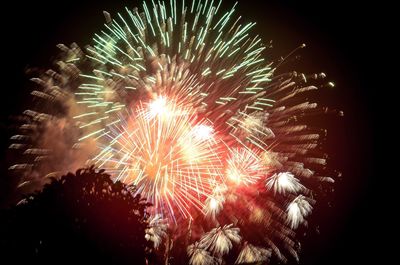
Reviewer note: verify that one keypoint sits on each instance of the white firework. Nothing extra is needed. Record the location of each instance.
(157, 230)
(219, 241)
(284, 182)
(199, 256)
(297, 210)
(213, 205)
(251, 254)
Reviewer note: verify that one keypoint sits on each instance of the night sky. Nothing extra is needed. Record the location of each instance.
(338, 41)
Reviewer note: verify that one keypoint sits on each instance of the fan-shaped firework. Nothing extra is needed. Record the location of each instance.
(179, 100)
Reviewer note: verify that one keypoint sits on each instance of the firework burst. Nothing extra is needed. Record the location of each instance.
(179, 100)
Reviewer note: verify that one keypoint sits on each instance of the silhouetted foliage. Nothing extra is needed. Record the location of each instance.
(82, 217)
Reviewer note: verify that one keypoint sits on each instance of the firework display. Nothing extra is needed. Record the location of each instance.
(177, 99)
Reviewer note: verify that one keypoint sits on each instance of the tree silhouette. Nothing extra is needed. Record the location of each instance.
(82, 217)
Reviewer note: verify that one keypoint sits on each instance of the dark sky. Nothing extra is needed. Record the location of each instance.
(339, 37)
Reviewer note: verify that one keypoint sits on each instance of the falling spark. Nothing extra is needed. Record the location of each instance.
(220, 240)
(251, 254)
(157, 230)
(284, 182)
(199, 256)
(297, 210)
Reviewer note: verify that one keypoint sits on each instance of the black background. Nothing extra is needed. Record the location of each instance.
(341, 41)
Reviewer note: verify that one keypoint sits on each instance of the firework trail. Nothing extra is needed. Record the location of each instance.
(178, 100)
